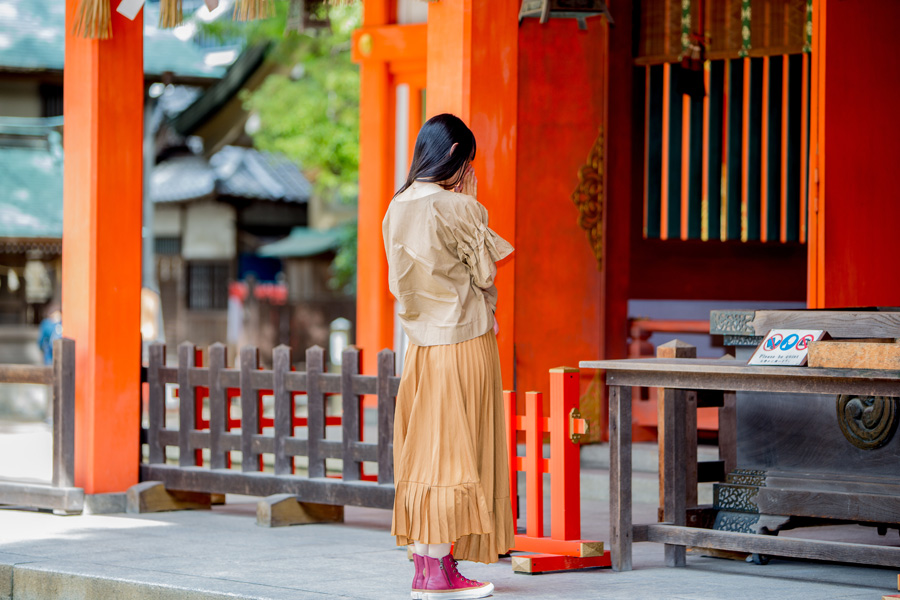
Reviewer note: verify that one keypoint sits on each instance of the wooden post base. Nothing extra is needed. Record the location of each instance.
(152, 496)
(281, 510)
(531, 564)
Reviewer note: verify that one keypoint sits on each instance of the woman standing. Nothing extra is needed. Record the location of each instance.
(451, 465)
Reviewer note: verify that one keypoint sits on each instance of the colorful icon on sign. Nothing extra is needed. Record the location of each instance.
(789, 342)
(773, 342)
(803, 344)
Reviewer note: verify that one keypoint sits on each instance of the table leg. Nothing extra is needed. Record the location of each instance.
(674, 475)
(620, 526)
(728, 432)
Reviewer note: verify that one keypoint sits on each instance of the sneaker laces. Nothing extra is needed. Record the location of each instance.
(456, 572)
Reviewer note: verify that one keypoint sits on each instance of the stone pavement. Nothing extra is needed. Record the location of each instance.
(222, 554)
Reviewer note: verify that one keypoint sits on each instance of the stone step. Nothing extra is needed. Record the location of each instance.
(62, 580)
(644, 487)
(644, 456)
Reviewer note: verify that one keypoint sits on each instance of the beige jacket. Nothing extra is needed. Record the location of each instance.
(441, 256)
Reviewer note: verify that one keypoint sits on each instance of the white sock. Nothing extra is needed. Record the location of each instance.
(438, 550)
(420, 548)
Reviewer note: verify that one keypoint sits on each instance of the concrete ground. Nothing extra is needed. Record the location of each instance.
(222, 554)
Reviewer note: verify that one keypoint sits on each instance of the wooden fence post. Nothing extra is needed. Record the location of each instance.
(218, 409)
(565, 499)
(284, 409)
(349, 413)
(249, 409)
(512, 429)
(728, 432)
(677, 413)
(534, 464)
(677, 349)
(315, 398)
(63, 411)
(187, 404)
(156, 403)
(386, 405)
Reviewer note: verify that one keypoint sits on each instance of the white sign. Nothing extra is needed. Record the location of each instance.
(130, 8)
(787, 347)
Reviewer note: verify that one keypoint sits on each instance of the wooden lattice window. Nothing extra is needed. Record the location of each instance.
(208, 285)
(730, 165)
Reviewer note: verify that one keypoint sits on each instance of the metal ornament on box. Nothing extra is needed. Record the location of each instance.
(565, 9)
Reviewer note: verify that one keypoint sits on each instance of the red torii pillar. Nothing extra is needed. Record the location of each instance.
(103, 108)
(473, 72)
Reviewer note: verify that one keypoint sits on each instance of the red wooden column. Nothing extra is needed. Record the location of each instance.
(103, 107)
(473, 73)
(853, 208)
(374, 303)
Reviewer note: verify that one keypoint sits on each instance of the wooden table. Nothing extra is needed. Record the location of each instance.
(679, 377)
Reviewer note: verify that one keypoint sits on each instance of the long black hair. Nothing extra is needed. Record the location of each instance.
(432, 159)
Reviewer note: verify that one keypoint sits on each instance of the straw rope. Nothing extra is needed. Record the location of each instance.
(93, 20)
(249, 10)
(170, 13)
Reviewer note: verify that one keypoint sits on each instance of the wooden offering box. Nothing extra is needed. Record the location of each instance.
(798, 446)
(815, 455)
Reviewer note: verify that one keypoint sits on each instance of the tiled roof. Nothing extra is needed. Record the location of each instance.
(31, 178)
(302, 242)
(32, 37)
(31, 172)
(232, 171)
(182, 178)
(249, 173)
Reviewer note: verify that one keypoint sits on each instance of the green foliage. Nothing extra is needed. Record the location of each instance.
(343, 268)
(308, 108)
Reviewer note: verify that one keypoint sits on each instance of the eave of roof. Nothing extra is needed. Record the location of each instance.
(301, 243)
(211, 101)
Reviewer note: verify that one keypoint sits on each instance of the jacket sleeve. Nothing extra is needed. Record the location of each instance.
(478, 246)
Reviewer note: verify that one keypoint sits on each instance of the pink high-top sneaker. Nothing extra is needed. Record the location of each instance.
(418, 584)
(443, 581)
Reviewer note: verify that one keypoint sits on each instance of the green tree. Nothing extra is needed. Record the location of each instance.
(308, 108)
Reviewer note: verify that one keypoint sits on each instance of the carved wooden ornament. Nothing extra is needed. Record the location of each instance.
(588, 198)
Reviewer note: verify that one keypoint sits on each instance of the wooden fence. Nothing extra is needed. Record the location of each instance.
(221, 384)
(60, 495)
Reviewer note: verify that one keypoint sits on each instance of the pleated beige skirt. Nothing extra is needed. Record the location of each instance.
(451, 465)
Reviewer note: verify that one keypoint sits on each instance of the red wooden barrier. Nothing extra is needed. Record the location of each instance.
(562, 550)
(202, 424)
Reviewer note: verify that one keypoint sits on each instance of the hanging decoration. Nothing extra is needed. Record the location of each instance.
(808, 28)
(693, 51)
(251, 10)
(130, 8)
(745, 29)
(170, 13)
(564, 9)
(93, 20)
